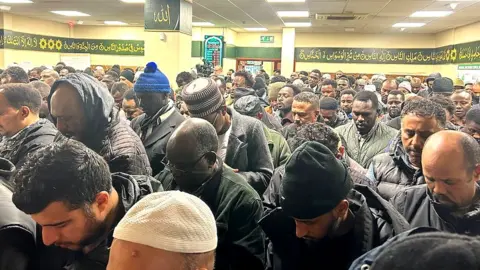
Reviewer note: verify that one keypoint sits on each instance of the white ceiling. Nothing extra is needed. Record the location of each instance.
(238, 14)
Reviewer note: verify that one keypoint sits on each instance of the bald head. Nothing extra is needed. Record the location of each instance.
(192, 139)
(49, 76)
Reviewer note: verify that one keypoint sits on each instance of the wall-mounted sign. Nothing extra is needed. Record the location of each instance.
(254, 63)
(451, 54)
(213, 50)
(267, 39)
(168, 15)
(23, 41)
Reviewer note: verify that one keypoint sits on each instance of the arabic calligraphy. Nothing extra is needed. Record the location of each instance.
(165, 15)
(23, 41)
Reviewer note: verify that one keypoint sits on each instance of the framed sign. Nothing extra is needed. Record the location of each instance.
(213, 50)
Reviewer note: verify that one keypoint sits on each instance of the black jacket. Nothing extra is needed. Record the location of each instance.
(393, 171)
(395, 123)
(271, 197)
(130, 190)
(17, 230)
(375, 222)
(248, 151)
(342, 119)
(156, 143)
(28, 140)
(107, 134)
(237, 209)
(417, 205)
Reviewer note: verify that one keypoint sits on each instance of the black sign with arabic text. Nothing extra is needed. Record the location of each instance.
(23, 41)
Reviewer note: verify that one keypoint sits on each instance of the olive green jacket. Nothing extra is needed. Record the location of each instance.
(278, 146)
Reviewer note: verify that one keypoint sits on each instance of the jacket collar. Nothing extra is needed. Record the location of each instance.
(237, 137)
(445, 212)
(287, 119)
(400, 157)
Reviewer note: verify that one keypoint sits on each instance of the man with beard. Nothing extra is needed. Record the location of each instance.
(334, 221)
(21, 128)
(450, 201)
(79, 214)
(472, 123)
(34, 74)
(331, 114)
(83, 110)
(387, 86)
(463, 102)
(449, 107)
(329, 89)
(343, 84)
(284, 103)
(394, 105)
(194, 167)
(305, 109)
(241, 140)
(156, 125)
(346, 101)
(365, 136)
(130, 105)
(314, 82)
(399, 168)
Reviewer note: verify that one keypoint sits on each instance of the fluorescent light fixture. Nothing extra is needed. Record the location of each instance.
(286, 1)
(431, 14)
(293, 14)
(5, 8)
(70, 13)
(349, 29)
(256, 29)
(402, 29)
(407, 25)
(453, 5)
(133, 1)
(114, 23)
(298, 24)
(16, 1)
(202, 24)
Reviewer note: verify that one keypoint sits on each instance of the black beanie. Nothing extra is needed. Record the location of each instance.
(314, 182)
(127, 74)
(442, 85)
(438, 250)
(328, 103)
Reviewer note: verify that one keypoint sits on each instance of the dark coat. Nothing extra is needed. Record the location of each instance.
(395, 123)
(375, 222)
(156, 143)
(17, 230)
(28, 140)
(376, 141)
(107, 134)
(417, 205)
(130, 189)
(248, 151)
(393, 171)
(342, 119)
(237, 209)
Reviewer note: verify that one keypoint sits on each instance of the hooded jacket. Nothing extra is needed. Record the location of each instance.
(375, 222)
(393, 171)
(374, 143)
(17, 230)
(107, 134)
(418, 206)
(28, 140)
(130, 189)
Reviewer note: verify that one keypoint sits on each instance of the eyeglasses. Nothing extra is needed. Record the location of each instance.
(185, 168)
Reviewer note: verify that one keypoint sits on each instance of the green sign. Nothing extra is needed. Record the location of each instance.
(23, 41)
(213, 50)
(469, 67)
(452, 54)
(168, 15)
(267, 39)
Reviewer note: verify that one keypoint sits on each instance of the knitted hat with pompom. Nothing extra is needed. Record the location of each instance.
(152, 80)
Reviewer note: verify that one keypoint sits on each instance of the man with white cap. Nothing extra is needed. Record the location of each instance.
(169, 230)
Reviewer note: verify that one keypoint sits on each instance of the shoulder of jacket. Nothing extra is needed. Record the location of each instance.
(243, 189)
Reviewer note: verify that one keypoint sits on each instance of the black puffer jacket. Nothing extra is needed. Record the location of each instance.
(108, 135)
(342, 119)
(375, 222)
(392, 171)
(28, 140)
(17, 230)
(419, 207)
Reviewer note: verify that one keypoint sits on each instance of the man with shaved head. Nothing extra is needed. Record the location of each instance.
(193, 166)
(450, 201)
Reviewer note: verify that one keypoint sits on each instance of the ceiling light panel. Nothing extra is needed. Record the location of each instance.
(16, 1)
(114, 23)
(408, 25)
(298, 24)
(256, 29)
(293, 14)
(70, 13)
(430, 14)
(202, 24)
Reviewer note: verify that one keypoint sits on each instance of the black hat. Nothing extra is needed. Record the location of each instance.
(127, 74)
(442, 85)
(433, 76)
(259, 83)
(314, 182)
(437, 250)
(248, 105)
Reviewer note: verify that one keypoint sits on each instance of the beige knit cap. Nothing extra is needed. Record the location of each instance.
(174, 221)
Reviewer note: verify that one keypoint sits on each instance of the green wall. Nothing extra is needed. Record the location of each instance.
(234, 52)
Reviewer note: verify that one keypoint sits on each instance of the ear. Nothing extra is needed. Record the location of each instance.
(341, 152)
(341, 209)
(211, 159)
(224, 110)
(24, 111)
(477, 171)
(317, 112)
(102, 200)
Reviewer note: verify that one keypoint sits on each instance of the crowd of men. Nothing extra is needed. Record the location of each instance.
(117, 170)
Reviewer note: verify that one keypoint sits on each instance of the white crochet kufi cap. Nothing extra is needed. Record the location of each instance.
(173, 221)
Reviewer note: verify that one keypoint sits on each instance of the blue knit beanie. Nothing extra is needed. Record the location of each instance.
(152, 80)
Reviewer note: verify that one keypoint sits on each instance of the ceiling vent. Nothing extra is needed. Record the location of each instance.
(340, 17)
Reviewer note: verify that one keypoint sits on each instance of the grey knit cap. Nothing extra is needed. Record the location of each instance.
(202, 97)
